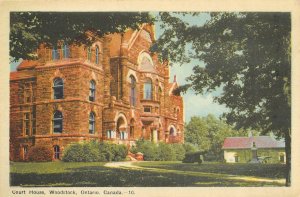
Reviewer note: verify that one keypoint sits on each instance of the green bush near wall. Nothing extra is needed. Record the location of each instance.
(94, 151)
(160, 151)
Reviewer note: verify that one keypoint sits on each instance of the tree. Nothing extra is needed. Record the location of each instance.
(248, 55)
(208, 134)
(29, 29)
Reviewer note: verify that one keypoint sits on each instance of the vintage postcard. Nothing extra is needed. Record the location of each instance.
(138, 98)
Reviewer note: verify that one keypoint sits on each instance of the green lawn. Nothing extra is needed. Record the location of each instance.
(164, 174)
(257, 170)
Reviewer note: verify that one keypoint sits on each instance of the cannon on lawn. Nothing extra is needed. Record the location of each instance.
(193, 157)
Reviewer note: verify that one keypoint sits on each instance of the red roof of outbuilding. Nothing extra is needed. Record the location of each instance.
(247, 142)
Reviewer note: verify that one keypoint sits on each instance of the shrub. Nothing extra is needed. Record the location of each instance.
(189, 148)
(179, 151)
(40, 153)
(159, 152)
(148, 148)
(166, 152)
(94, 151)
(74, 152)
(120, 152)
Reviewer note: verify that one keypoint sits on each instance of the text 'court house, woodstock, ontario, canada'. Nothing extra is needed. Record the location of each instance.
(114, 90)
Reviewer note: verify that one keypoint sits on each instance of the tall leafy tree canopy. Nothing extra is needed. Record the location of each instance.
(29, 29)
(248, 55)
(208, 134)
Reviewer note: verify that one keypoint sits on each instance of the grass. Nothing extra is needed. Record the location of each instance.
(164, 174)
(274, 171)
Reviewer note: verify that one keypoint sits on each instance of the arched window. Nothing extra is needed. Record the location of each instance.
(56, 152)
(58, 88)
(97, 55)
(148, 89)
(57, 122)
(92, 123)
(66, 51)
(89, 53)
(92, 90)
(132, 91)
(172, 131)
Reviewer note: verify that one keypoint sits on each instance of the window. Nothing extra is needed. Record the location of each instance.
(57, 122)
(66, 51)
(25, 151)
(111, 134)
(97, 55)
(132, 91)
(58, 88)
(148, 89)
(92, 123)
(123, 135)
(89, 53)
(147, 109)
(55, 53)
(92, 91)
(236, 158)
(33, 121)
(56, 152)
(172, 131)
(26, 123)
(27, 93)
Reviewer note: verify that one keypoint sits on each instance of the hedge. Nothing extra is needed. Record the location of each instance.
(94, 151)
(160, 151)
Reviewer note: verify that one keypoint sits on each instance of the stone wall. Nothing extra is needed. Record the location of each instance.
(111, 106)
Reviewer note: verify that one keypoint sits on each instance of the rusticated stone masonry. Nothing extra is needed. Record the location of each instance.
(114, 90)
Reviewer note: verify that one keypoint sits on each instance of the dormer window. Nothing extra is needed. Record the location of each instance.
(97, 55)
(55, 53)
(66, 51)
(89, 53)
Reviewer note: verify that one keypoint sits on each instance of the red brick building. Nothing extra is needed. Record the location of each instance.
(114, 90)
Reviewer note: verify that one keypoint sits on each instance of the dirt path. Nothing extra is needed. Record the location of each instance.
(130, 165)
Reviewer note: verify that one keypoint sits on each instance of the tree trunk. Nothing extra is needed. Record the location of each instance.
(288, 157)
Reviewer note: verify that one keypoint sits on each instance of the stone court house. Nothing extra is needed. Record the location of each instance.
(114, 90)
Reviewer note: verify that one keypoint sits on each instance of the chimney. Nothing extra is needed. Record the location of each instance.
(174, 79)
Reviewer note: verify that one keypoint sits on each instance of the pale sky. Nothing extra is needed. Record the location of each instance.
(195, 105)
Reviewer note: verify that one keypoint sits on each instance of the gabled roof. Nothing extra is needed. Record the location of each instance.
(27, 64)
(247, 142)
(24, 74)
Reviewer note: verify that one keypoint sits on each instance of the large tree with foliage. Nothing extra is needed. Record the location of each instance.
(29, 29)
(208, 134)
(248, 55)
